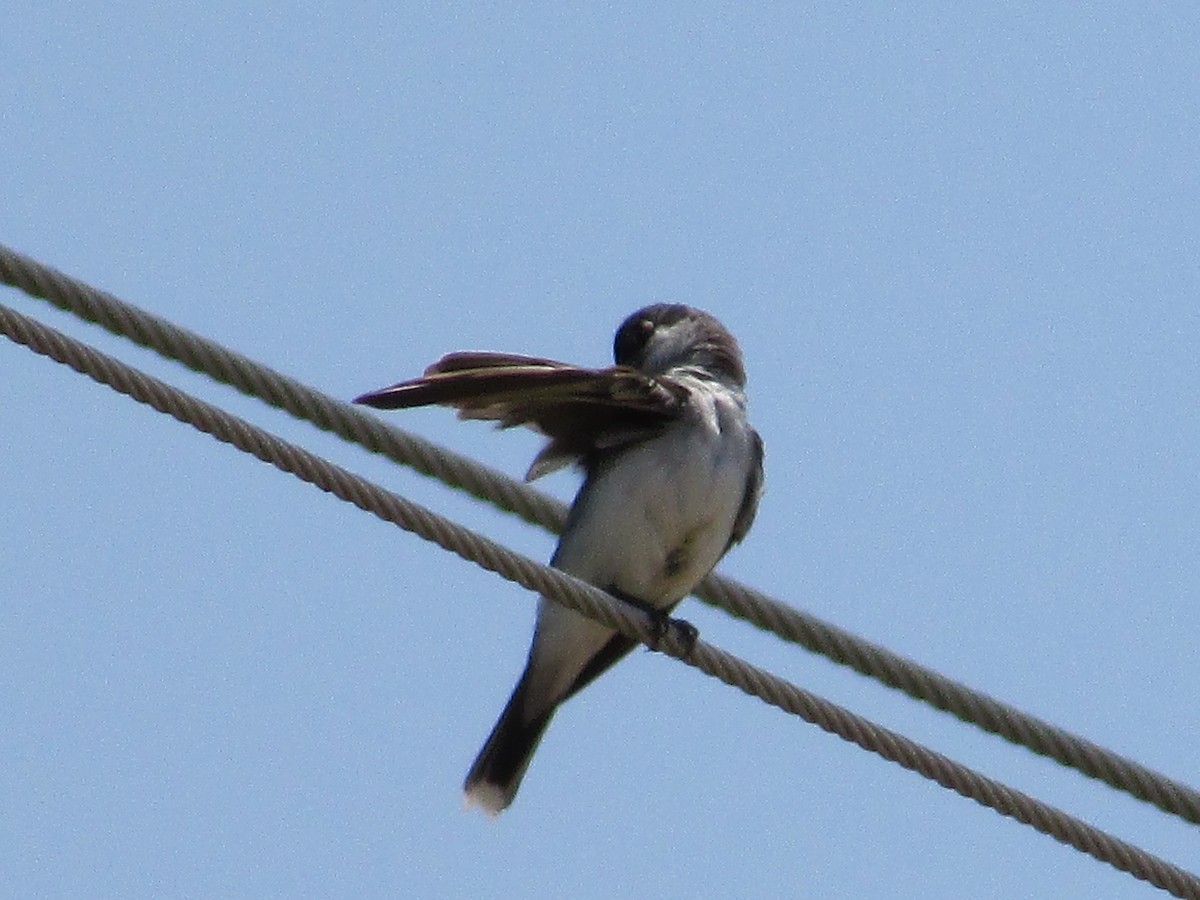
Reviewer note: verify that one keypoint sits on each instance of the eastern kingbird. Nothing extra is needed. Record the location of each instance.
(672, 476)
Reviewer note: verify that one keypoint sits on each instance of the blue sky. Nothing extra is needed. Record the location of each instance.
(960, 247)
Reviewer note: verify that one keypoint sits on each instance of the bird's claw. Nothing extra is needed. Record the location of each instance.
(663, 625)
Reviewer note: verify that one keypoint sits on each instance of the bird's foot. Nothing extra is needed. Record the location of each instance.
(684, 632)
(661, 624)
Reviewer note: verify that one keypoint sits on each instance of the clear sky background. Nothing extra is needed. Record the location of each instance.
(961, 250)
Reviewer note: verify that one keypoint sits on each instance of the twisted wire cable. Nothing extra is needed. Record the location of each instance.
(598, 605)
(791, 624)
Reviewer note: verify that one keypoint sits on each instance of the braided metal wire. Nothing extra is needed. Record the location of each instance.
(789, 623)
(598, 605)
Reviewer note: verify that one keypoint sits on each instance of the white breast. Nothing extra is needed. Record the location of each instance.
(657, 521)
(652, 525)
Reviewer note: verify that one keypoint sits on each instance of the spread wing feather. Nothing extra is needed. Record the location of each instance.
(580, 410)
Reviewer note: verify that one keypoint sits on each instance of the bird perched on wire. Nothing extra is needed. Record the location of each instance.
(672, 477)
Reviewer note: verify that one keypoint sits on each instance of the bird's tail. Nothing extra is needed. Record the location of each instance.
(498, 769)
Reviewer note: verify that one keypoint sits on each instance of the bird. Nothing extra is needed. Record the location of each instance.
(672, 475)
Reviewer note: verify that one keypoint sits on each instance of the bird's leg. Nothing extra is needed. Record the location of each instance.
(661, 623)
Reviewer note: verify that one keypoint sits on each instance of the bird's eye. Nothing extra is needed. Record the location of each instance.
(631, 341)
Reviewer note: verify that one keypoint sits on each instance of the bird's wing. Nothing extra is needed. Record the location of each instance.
(580, 410)
(749, 506)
